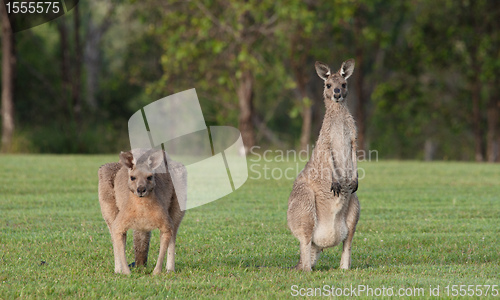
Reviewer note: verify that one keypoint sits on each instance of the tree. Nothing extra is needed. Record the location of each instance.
(220, 45)
(8, 75)
(92, 52)
(370, 30)
(491, 73)
(71, 64)
(411, 111)
(298, 40)
(471, 31)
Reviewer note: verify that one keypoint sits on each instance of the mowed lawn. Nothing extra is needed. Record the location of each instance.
(422, 225)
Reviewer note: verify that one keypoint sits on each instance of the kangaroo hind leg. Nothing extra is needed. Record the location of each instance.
(301, 218)
(141, 247)
(351, 222)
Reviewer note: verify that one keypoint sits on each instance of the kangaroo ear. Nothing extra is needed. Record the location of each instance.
(127, 159)
(155, 159)
(347, 68)
(322, 69)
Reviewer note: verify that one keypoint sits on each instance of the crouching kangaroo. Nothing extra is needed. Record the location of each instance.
(323, 208)
(133, 196)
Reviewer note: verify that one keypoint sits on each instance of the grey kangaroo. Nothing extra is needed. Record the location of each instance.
(323, 208)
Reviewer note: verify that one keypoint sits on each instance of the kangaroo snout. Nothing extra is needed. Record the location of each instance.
(337, 96)
(141, 191)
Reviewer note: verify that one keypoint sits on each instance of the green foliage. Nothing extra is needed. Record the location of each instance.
(421, 224)
(447, 49)
(101, 138)
(419, 60)
(403, 126)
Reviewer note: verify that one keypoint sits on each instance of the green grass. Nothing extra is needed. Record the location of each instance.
(421, 224)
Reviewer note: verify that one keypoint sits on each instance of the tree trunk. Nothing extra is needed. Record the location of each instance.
(8, 74)
(476, 118)
(65, 73)
(492, 136)
(77, 76)
(300, 46)
(305, 102)
(91, 59)
(360, 108)
(305, 134)
(92, 56)
(429, 150)
(245, 95)
(359, 23)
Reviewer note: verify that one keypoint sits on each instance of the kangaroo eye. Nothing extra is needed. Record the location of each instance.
(328, 86)
(132, 178)
(343, 85)
(150, 178)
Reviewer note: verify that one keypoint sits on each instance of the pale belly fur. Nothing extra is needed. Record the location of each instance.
(331, 228)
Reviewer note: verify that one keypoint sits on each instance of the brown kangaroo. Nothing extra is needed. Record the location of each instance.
(133, 196)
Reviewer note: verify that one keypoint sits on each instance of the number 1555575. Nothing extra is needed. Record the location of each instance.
(39, 7)
(471, 290)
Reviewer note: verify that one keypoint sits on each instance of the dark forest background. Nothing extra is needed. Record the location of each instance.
(426, 83)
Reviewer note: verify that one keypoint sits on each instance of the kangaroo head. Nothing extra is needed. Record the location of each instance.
(335, 83)
(141, 179)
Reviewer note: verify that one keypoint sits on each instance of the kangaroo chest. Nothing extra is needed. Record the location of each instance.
(341, 137)
(146, 214)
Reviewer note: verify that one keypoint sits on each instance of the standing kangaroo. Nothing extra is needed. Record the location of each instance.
(133, 196)
(323, 208)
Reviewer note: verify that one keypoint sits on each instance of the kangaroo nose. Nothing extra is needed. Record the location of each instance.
(141, 190)
(336, 90)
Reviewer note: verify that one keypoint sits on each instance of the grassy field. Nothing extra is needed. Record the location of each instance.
(422, 225)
